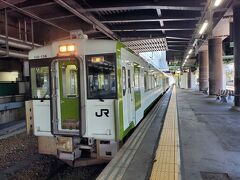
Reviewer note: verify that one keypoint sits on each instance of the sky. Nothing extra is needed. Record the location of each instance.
(158, 58)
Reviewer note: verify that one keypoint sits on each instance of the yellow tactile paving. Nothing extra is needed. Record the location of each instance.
(167, 159)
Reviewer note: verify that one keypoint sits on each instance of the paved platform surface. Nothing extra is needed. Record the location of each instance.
(209, 137)
(166, 164)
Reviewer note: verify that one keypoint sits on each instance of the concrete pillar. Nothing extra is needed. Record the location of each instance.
(215, 65)
(203, 70)
(189, 79)
(236, 40)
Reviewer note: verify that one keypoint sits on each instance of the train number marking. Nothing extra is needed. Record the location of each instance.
(102, 111)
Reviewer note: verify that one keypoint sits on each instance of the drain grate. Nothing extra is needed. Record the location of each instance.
(214, 176)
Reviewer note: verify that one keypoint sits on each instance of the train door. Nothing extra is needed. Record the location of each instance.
(66, 97)
(128, 96)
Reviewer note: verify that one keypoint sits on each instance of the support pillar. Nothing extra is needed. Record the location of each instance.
(236, 40)
(215, 65)
(203, 70)
(189, 79)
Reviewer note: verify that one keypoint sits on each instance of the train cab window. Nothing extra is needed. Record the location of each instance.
(69, 80)
(124, 80)
(101, 76)
(40, 82)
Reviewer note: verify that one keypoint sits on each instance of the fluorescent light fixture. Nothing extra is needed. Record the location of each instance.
(204, 27)
(190, 51)
(217, 3)
(195, 42)
(184, 62)
(187, 57)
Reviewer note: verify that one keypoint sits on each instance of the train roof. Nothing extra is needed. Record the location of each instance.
(84, 46)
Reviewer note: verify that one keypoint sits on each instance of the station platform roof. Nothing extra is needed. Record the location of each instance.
(149, 25)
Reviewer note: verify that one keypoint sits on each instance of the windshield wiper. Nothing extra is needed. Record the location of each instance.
(101, 99)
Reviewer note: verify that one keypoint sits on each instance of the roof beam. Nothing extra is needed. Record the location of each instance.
(175, 50)
(76, 9)
(176, 41)
(59, 17)
(177, 45)
(4, 5)
(29, 14)
(136, 38)
(142, 7)
(150, 20)
(38, 5)
(159, 13)
(155, 29)
(180, 38)
(141, 35)
(153, 26)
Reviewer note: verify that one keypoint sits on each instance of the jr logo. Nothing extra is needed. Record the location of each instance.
(102, 111)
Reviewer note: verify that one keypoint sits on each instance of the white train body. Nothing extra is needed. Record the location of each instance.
(87, 95)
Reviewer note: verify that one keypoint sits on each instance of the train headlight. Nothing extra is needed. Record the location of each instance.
(70, 48)
(66, 49)
(62, 49)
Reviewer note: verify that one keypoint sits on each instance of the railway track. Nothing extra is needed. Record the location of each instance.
(19, 160)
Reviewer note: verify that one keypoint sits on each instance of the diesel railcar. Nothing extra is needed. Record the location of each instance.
(86, 95)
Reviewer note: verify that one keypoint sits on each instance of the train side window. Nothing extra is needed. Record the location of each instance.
(137, 77)
(155, 81)
(161, 81)
(150, 81)
(124, 80)
(129, 81)
(145, 81)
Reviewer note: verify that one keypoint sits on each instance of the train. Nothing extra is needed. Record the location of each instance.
(86, 96)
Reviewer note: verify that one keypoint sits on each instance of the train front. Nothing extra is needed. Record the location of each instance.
(73, 98)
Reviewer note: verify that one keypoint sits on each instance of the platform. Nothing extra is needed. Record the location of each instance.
(209, 137)
(209, 143)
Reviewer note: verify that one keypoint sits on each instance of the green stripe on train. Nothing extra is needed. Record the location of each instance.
(120, 96)
(121, 132)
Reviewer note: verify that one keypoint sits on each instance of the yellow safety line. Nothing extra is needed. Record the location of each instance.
(167, 159)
